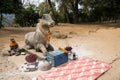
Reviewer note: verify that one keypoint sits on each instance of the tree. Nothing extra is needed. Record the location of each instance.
(74, 4)
(101, 10)
(28, 16)
(70, 8)
(10, 6)
(51, 8)
(64, 9)
(44, 7)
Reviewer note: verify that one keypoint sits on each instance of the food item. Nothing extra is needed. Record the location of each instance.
(68, 48)
(31, 57)
(62, 49)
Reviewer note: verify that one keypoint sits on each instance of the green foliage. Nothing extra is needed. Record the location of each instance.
(101, 10)
(16, 25)
(68, 11)
(44, 7)
(27, 17)
(10, 6)
(60, 17)
(91, 11)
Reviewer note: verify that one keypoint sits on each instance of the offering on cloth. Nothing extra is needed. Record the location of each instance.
(31, 58)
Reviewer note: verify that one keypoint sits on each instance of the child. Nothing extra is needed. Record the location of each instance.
(13, 46)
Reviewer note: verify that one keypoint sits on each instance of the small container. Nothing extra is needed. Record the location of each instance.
(57, 57)
(72, 55)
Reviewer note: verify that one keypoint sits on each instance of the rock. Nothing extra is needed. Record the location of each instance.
(56, 35)
(63, 36)
(7, 53)
(72, 33)
(59, 35)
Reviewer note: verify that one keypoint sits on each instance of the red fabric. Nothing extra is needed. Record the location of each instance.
(82, 69)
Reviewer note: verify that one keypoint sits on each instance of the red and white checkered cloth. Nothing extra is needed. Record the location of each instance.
(82, 69)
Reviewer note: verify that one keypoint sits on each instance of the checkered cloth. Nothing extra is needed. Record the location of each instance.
(81, 69)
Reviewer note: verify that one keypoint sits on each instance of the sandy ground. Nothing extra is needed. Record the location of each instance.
(101, 42)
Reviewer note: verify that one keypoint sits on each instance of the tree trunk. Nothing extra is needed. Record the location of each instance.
(66, 13)
(51, 8)
(0, 20)
(75, 10)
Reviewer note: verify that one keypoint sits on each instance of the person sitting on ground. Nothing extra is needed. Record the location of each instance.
(13, 45)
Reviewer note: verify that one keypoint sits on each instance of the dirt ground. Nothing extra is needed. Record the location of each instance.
(101, 42)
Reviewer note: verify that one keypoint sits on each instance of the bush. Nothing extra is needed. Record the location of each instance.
(27, 17)
(16, 25)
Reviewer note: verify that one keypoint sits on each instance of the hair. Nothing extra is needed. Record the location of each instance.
(12, 39)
